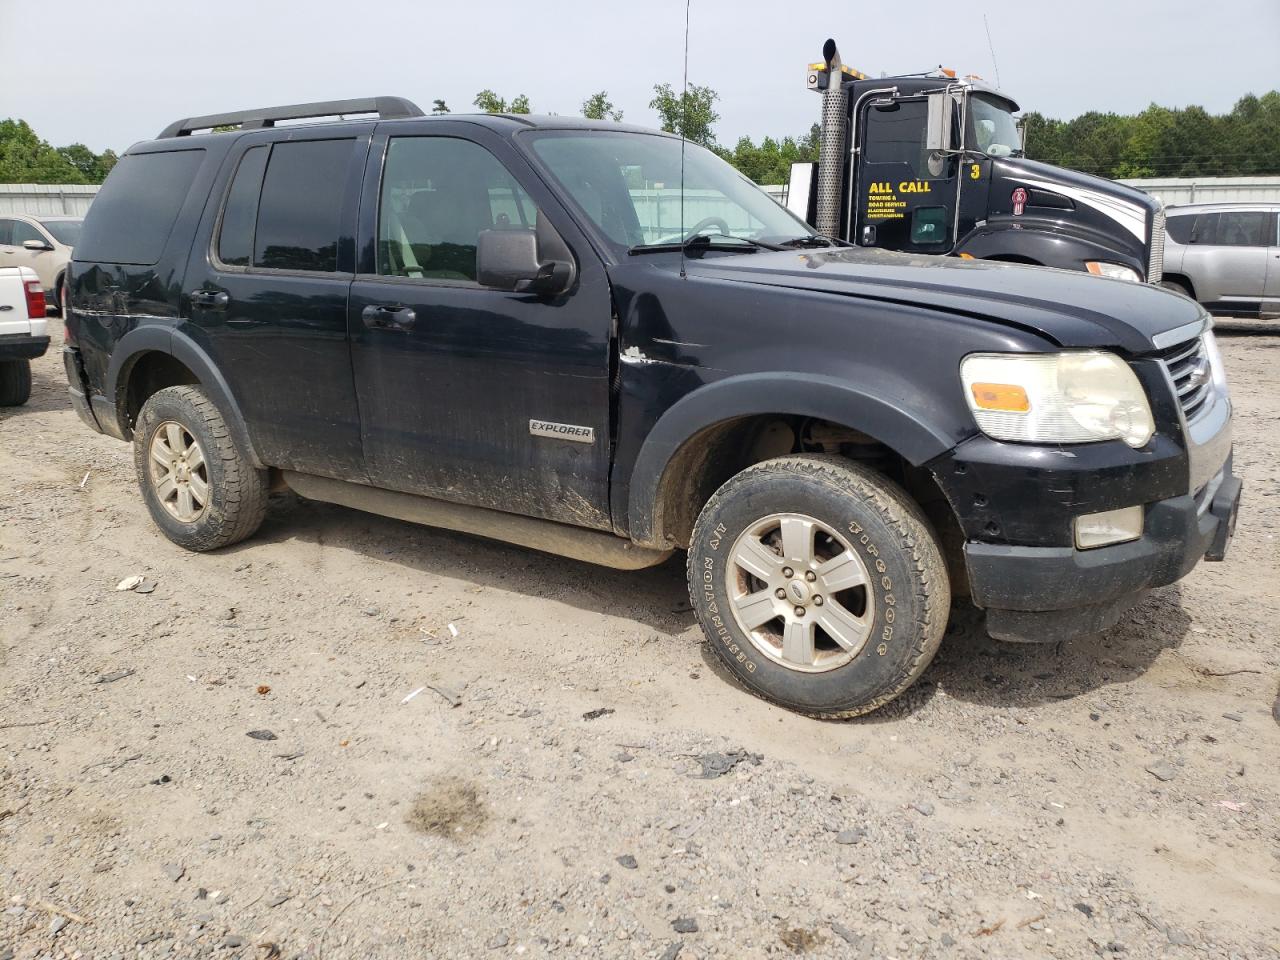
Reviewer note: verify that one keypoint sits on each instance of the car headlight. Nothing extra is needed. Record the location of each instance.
(1216, 365)
(1116, 271)
(1077, 396)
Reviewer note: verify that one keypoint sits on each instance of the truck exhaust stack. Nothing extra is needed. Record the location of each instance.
(835, 119)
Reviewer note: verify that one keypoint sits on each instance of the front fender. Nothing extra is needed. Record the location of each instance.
(890, 420)
(1049, 243)
(163, 339)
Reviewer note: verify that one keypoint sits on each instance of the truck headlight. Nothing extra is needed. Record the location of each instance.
(1117, 271)
(1077, 396)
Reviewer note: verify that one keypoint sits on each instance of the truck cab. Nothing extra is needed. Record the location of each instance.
(933, 164)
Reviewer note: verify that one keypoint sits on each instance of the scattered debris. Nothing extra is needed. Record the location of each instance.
(453, 631)
(988, 931)
(175, 871)
(129, 583)
(1233, 716)
(412, 694)
(597, 713)
(263, 689)
(672, 951)
(1084, 908)
(146, 586)
(278, 899)
(50, 908)
(85, 479)
(453, 699)
(1030, 920)
(117, 675)
(262, 735)
(718, 764)
(1230, 805)
(1162, 770)
(627, 861)
(845, 934)
(925, 808)
(798, 939)
(292, 755)
(685, 925)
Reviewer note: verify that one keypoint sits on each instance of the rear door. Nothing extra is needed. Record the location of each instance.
(267, 293)
(1271, 293)
(461, 386)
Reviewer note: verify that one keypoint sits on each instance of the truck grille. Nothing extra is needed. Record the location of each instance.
(1188, 367)
(1155, 265)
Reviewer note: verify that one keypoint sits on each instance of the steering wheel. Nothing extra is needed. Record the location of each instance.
(703, 224)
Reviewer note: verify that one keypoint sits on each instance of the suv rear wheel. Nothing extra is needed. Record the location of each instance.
(201, 491)
(819, 583)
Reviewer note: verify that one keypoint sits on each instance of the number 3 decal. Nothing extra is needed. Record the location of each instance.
(975, 171)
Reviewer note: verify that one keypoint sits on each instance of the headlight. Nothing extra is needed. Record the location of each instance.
(1117, 271)
(1215, 362)
(1071, 397)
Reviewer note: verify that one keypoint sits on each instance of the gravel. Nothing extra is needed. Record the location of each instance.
(968, 819)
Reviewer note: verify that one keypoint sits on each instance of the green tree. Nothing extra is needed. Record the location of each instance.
(438, 107)
(490, 102)
(25, 158)
(598, 106)
(691, 113)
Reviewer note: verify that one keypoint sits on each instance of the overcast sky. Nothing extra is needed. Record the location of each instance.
(110, 72)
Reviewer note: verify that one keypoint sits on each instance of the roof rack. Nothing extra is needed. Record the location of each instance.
(387, 108)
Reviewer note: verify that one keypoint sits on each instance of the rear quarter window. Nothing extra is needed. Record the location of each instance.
(134, 212)
(1179, 227)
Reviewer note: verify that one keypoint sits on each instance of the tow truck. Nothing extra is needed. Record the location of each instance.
(934, 164)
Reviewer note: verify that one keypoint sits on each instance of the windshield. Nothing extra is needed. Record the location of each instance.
(66, 232)
(992, 128)
(629, 185)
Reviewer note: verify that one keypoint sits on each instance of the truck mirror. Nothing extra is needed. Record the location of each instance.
(938, 123)
(1022, 135)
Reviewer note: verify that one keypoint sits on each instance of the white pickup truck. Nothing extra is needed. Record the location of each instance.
(22, 332)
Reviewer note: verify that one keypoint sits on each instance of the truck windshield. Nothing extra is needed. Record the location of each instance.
(629, 185)
(992, 128)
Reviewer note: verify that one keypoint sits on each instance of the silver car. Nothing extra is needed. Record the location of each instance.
(1225, 255)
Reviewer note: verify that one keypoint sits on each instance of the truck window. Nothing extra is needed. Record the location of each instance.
(240, 215)
(438, 194)
(135, 210)
(1232, 228)
(299, 215)
(896, 134)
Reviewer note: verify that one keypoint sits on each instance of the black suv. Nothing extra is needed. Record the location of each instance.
(603, 342)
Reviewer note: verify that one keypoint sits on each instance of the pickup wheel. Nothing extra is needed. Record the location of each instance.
(15, 382)
(201, 491)
(819, 583)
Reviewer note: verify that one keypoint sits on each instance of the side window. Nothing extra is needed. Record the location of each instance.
(23, 231)
(896, 134)
(135, 210)
(6, 232)
(438, 194)
(1205, 229)
(1179, 227)
(1244, 228)
(300, 212)
(240, 215)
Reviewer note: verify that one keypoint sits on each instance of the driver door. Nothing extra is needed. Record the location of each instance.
(906, 200)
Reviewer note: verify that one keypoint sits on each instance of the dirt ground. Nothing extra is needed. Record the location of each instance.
(236, 763)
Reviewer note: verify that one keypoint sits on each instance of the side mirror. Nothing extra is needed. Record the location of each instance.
(938, 123)
(1022, 134)
(36, 245)
(510, 260)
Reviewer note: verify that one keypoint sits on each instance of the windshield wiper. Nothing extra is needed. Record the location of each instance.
(707, 241)
(814, 240)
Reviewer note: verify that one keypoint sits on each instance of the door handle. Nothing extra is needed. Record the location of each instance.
(212, 299)
(388, 317)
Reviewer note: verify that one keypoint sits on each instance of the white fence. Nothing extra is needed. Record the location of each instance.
(1173, 190)
(41, 199)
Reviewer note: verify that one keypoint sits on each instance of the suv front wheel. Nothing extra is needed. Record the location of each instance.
(819, 583)
(201, 490)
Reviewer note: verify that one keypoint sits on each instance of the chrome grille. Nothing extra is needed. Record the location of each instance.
(1155, 265)
(1188, 367)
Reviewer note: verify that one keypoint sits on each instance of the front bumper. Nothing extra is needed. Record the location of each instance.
(22, 346)
(1040, 594)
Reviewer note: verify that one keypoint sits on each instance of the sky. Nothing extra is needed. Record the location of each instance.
(108, 73)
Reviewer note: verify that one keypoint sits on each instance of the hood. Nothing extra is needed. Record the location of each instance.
(1071, 309)
(1128, 208)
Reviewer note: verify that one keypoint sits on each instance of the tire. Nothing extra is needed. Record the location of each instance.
(863, 527)
(172, 423)
(15, 382)
(1177, 286)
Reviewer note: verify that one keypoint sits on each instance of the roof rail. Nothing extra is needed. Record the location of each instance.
(387, 108)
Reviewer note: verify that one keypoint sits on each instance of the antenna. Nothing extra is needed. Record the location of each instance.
(992, 47)
(684, 123)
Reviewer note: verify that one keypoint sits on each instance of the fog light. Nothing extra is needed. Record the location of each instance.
(1112, 526)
